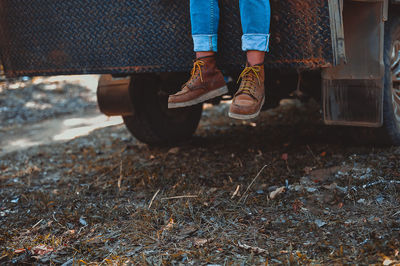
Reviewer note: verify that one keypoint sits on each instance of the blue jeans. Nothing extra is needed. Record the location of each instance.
(255, 16)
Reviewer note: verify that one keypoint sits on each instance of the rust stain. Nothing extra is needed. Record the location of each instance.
(58, 57)
(14, 73)
(307, 19)
(311, 63)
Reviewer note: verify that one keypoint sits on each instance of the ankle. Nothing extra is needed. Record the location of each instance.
(200, 55)
(255, 58)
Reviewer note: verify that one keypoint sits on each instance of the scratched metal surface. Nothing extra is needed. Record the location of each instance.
(48, 37)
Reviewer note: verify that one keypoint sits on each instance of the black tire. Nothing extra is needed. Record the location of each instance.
(153, 123)
(389, 133)
(391, 100)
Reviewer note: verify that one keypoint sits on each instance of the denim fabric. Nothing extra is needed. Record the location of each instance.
(255, 16)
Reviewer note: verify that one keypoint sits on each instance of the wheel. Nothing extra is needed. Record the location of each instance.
(153, 123)
(389, 133)
(391, 101)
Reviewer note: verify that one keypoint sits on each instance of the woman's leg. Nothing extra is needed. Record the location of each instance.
(255, 17)
(204, 15)
(206, 81)
(248, 101)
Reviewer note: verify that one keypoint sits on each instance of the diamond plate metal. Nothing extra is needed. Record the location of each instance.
(48, 37)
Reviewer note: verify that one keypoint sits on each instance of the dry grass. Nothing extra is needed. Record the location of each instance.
(100, 200)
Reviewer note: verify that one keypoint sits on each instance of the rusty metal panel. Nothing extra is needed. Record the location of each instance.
(47, 37)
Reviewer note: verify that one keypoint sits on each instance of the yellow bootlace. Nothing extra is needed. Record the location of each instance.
(197, 65)
(244, 76)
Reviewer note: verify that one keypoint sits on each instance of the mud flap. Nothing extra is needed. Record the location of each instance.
(352, 91)
(353, 102)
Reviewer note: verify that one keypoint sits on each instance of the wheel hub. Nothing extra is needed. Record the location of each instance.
(395, 71)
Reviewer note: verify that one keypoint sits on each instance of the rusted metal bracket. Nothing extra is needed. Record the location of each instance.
(113, 96)
(353, 89)
(337, 31)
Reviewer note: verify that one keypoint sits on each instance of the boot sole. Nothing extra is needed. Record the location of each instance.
(249, 116)
(205, 97)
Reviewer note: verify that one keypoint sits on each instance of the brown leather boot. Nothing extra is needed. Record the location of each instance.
(206, 82)
(250, 97)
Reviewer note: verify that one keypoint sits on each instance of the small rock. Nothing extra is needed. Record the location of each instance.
(361, 201)
(342, 189)
(82, 221)
(296, 188)
(311, 189)
(15, 200)
(380, 199)
(319, 223)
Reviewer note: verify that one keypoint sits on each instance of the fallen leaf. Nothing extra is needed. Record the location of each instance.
(388, 261)
(200, 241)
(170, 224)
(173, 150)
(41, 250)
(275, 193)
(17, 251)
(188, 230)
(297, 204)
(212, 190)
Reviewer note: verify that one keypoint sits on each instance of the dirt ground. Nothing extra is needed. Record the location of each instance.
(282, 189)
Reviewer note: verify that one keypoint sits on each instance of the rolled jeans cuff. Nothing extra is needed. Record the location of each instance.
(255, 41)
(205, 42)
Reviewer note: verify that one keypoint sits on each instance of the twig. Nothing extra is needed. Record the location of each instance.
(381, 182)
(396, 213)
(107, 172)
(120, 175)
(256, 250)
(313, 155)
(180, 197)
(236, 192)
(287, 167)
(152, 199)
(36, 224)
(252, 182)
